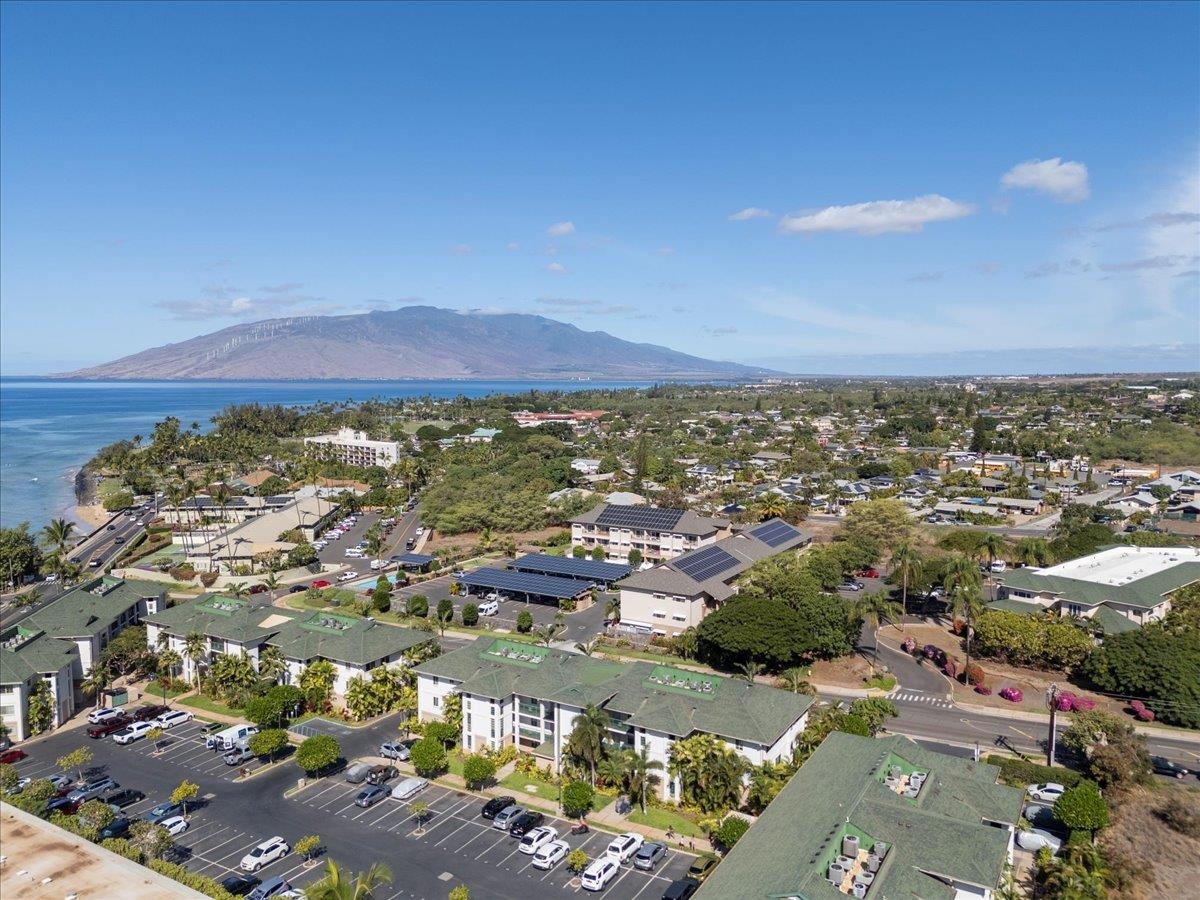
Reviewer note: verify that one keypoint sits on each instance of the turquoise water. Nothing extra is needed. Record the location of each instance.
(48, 429)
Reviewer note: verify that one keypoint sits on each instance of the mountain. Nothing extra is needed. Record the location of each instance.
(422, 342)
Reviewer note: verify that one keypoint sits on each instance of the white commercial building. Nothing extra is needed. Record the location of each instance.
(354, 448)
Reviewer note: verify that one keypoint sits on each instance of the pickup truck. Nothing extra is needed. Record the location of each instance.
(109, 726)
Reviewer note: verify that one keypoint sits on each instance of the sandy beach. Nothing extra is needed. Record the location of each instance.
(91, 516)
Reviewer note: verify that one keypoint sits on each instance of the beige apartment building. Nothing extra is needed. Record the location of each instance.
(354, 448)
(658, 533)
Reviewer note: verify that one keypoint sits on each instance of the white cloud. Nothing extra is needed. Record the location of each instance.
(750, 212)
(555, 267)
(561, 229)
(1066, 182)
(512, 246)
(878, 216)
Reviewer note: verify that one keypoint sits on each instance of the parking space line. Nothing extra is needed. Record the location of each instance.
(503, 836)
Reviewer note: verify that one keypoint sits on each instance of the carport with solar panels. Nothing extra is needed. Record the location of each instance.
(528, 585)
(590, 570)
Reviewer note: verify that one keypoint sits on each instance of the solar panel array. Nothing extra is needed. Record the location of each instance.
(648, 518)
(704, 564)
(774, 534)
(524, 583)
(587, 569)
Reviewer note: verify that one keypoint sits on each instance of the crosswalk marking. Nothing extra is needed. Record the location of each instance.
(908, 696)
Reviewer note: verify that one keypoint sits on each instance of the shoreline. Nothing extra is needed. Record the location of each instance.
(91, 515)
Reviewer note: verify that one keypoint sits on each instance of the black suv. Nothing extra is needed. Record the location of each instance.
(382, 774)
(1164, 766)
(681, 889)
(493, 808)
(240, 885)
(525, 823)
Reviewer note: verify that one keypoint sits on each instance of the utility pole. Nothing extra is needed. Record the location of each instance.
(1052, 702)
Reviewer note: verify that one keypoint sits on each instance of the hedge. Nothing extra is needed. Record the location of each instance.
(1022, 773)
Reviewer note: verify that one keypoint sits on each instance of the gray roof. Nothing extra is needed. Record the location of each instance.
(1144, 593)
(661, 698)
(686, 522)
(942, 833)
(669, 578)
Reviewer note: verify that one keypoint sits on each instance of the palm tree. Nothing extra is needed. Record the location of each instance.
(639, 774)
(546, 634)
(612, 610)
(221, 495)
(585, 743)
(709, 773)
(771, 506)
(993, 545)
(795, 680)
(751, 670)
(271, 663)
(231, 676)
(272, 584)
(588, 647)
(961, 571)
(237, 589)
(1032, 551)
(57, 534)
(165, 664)
(95, 681)
(906, 563)
(339, 885)
(195, 648)
(967, 600)
(878, 608)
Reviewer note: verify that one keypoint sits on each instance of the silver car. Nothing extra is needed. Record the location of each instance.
(507, 816)
(649, 855)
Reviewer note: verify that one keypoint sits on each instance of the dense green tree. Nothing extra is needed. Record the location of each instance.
(761, 631)
(318, 753)
(478, 771)
(428, 757)
(1081, 808)
(577, 798)
(1155, 663)
(19, 553)
(730, 831)
(708, 771)
(883, 525)
(417, 606)
(268, 743)
(470, 615)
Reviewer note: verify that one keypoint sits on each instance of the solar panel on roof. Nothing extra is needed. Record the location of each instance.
(592, 569)
(524, 583)
(774, 534)
(650, 518)
(704, 564)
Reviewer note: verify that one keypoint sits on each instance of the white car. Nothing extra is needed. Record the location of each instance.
(51, 579)
(173, 718)
(623, 846)
(408, 788)
(1046, 793)
(537, 839)
(1035, 839)
(175, 825)
(489, 608)
(599, 873)
(133, 732)
(347, 576)
(376, 565)
(551, 855)
(420, 530)
(264, 854)
(96, 716)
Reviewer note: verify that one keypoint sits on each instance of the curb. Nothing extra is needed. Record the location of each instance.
(1044, 719)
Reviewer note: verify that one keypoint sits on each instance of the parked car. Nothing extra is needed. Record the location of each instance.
(111, 725)
(173, 718)
(867, 573)
(273, 888)
(1035, 839)
(535, 840)
(525, 823)
(1163, 766)
(599, 873)
(506, 816)
(149, 711)
(163, 811)
(133, 732)
(701, 868)
(855, 586)
(64, 803)
(175, 825)
(60, 781)
(123, 798)
(92, 789)
(370, 795)
(21, 784)
(623, 846)
(1048, 792)
(382, 774)
(1039, 815)
(489, 608)
(264, 854)
(321, 583)
(358, 773)
(294, 589)
(649, 855)
(96, 716)
(408, 788)
(237, 756)
(395, 750)
(347, 576)
(115, 829)
(550, 855)
(495, 806)
(240, 885)
(12, 755)
(681, 889)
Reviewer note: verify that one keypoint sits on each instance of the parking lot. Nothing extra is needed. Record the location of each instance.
(454, 826)
(233, 816)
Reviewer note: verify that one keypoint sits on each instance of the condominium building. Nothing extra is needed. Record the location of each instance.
(354, 448)
(519, 694)
(658, 533)
(255, 539)
(677, 594)
(876, 818)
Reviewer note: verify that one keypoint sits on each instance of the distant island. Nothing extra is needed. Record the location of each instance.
(422, 342)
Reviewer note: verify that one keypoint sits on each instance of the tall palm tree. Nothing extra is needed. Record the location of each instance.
(966, 600)
(195, 648)
(221, 495)
(585, 743)
(95, 681)
(175, 496)
(57, 534)
(231, 676)
(795, 680)
(961, 571)
(906, 564)
(344, 885)
(271, 663)
(165, 664)
(878, 608)
(993, 545)
(640, 774)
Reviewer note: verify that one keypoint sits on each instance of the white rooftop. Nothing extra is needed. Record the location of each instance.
(1122, 565)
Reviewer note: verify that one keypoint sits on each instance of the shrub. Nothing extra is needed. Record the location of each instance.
(307, 845)
(445, 609)
(950, 667)
(417, 605)
(1180, 815)
(524, 622)
(577, 861)
(429, 758)
(1140, 710)
(1021, 772)
(1082, 808)
(910, 645)
(983, 689)
(974, 674)
(1012, 694)
(577, 798)
(470, 615)
(478, 771)
(318, 753)
(730, 831)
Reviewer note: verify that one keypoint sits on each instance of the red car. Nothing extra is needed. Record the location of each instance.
(14, 755)
(868, 573)
(258, 589)
(322, 583)
(108, 726)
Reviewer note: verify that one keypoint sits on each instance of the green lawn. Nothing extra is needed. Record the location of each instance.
(662, 818)
(456, 765)
(545, 789)
(204, 703)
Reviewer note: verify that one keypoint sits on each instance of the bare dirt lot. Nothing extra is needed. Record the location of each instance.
(1160, 861)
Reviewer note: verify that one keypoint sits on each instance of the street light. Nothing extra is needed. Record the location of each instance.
(1052, 703)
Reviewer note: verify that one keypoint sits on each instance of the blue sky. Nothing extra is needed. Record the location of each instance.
(910, 178)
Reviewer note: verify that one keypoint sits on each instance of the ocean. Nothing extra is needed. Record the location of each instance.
(49, 429)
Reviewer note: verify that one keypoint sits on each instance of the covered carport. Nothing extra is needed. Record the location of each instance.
(418, 562)
(528, 585)
(589, 570)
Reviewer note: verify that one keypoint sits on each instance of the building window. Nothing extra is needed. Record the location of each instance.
(437, 701)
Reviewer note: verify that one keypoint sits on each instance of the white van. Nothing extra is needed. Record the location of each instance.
(489, 608)
(999, 565)
(354, 552)
(235, 737)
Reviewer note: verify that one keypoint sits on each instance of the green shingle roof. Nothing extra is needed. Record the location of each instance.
(733, 709)
(90, 608)
(41, 655)
(942, 833)
(1144, 593)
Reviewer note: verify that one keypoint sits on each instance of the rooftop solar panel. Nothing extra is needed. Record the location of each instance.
(775, 533)
(588, 569)
(650, 518)
(704, 564)
(524, 583)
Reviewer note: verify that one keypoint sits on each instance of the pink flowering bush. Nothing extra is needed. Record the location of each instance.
(983, 689)
(1012, 694)
(1140, 710)
(910, 645)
